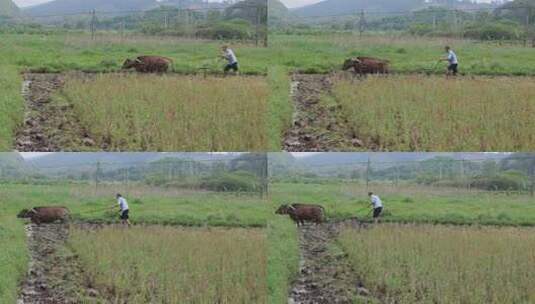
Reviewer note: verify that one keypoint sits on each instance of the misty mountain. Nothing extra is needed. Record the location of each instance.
(248, 10)
(59, 7)
(12, 165)
(343, 7)
(61, 161)
(277, 11)
(334, 159)
(8, 8)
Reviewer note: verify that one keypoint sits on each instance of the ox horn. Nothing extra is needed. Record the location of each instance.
(291, 207)
(33, 211)
(138, 60)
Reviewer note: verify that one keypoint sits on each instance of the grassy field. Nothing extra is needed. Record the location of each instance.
(13, 257)
(172, 113)
(76, 51)
(283, 258)
(408, 203)
(191, 266)
(148, 204)
(441, 264)
(322, 53)
(11, 105)
(412, 113)
(154, 206)
(159, 206)
(280, 106)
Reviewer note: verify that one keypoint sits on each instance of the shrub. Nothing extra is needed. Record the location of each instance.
(492, 31)
(231, 182)
(235, 29)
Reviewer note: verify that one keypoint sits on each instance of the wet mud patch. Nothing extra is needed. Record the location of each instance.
(53, 272)
(326, 275)
(48, 124)
(317, 125)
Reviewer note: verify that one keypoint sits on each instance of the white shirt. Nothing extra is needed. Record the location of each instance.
(230, 56)
(122, 203)
(452, 57)
(376, 202)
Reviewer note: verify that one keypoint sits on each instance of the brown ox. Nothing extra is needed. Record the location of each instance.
(40, 215)
(301, 213)
(367, 65)
(148, 64)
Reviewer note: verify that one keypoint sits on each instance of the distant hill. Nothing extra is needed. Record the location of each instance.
(59, 7)
(247, 10)
(338, 7)
(12, 166)
(333, 159)
(8, 8)
(277, 11)
(61, 161)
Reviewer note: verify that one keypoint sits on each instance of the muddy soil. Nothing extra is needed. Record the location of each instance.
(326, 275)
(318, 126)
(49, 126)
(53, 270)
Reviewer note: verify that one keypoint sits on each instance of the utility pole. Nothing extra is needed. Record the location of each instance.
(97, 172)
(362, 23)
(528, 20)
(265, 175)
(264, 16)
(368, 166)
(93, 26)
(397, 175)
(122, 29)
(166, 22)
(258, 11)
(532, 177)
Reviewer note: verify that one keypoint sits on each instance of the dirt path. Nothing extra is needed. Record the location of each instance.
(48, 126)
(53, 269)
(318, 126)
(326, 276)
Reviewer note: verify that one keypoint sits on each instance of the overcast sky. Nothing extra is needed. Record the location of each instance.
(298, 3)
(23, 3)
(288, 3)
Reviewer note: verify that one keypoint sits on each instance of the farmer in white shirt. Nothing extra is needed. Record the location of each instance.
(228, 54)
(453, 62)
(123, 205)
(377, 206)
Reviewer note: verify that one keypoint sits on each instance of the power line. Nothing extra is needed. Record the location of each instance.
(164, 9)
(425, 10)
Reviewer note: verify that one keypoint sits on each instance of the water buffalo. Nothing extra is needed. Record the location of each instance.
(148, 64)
(367, 65)
(300, 213)
(40, 215)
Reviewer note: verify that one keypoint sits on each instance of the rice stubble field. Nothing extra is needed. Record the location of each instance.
(156, 264)
(170, 113)
(415, 113)
(444, 264)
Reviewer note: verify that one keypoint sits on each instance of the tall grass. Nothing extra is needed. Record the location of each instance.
(173, 113)
(419, 204)
(156, 206)
(433, 264)
(323, 52)
(437, 114)
(13, 256)
(280, 106)
(11, 105)
(57, 52)
(168, 265)
(283, 258)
